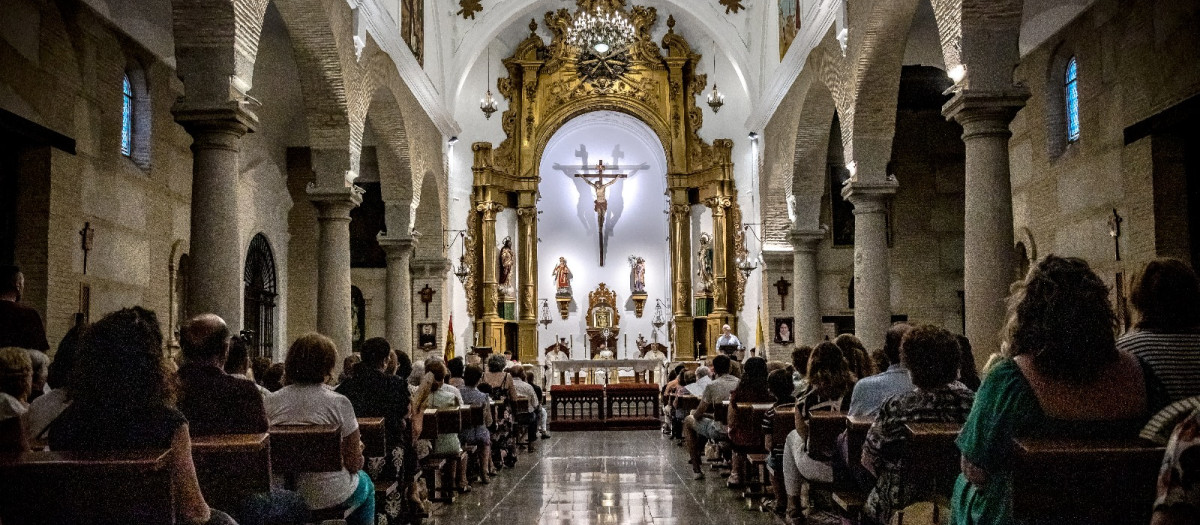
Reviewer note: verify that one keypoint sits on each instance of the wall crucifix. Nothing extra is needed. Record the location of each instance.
(427, 297)
(781, 287)
(600, 182)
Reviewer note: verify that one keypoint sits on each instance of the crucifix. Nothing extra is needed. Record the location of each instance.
(86, 235)
(427, 297)
(781, 287)
(600, 181)
(1114, 230)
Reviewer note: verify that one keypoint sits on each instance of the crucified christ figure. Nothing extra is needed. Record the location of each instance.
(599, 183)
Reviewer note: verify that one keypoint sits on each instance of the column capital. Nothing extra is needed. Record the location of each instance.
(989, 111)
(429, 267)
(233, 118)
(870, 197)
(806, 240)
(334, 202)
(396, 247)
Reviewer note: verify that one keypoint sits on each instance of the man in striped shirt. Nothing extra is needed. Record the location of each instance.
(1166, 338)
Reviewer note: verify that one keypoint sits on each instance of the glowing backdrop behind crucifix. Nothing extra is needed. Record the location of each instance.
(604, 176)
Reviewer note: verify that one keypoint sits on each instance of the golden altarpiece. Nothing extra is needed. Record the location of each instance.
(547, 86)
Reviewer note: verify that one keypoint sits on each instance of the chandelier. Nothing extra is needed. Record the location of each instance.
(487, 104)
(604, 32)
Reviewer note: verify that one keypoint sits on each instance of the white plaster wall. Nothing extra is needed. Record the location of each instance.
(636, 225)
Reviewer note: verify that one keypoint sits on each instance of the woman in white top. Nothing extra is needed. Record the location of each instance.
(307, 401)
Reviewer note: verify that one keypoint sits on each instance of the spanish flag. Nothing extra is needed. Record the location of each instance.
(450, 339)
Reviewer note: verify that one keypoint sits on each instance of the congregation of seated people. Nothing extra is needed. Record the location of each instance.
(111, 389)
(914, 433)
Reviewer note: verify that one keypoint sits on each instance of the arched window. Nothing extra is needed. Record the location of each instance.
(1071, 98)
(259, 299)
(126, 116)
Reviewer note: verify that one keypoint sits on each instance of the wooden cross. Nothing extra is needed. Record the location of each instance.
(1114, 230)
(781, 286)
(597, 182)
(427, 297)
(86, 235)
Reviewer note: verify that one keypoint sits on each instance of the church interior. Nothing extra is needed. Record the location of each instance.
(748, 261)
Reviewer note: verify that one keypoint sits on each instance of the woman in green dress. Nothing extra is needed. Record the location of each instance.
(1061, 376)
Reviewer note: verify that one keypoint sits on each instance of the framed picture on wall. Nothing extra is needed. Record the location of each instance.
(783, 330)
(427, 335)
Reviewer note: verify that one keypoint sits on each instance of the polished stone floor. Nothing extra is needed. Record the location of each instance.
(582, 478)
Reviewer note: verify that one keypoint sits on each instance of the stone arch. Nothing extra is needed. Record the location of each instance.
(430, 218)
(868, 131)
(392, 147)
(216, 46)
(641, 112)
(811, 154)
(331, 79)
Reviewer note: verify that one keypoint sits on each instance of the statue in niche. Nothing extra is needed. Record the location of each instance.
(562, 278)
(505, 269)
(704, 263)
(637, 274)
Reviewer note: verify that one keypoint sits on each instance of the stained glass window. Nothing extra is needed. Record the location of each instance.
(126, 117)
(1071, 90)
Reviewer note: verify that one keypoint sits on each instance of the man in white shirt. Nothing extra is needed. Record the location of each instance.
(699, 427)
(530, 417)
(728, 340)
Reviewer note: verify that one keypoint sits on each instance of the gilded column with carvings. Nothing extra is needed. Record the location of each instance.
(489, 325)
(722, 242)
(681, 271)
(527, 342)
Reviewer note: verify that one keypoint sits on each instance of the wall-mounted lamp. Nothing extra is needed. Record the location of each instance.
(452, 141)
(753, 136)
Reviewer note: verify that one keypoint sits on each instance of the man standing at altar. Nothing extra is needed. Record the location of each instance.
(728, 343)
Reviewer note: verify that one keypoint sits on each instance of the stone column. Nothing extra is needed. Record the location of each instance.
(333, 261)
(399, 252)
(988, 227)
(806, 303)
(872, 268)
(215, 245)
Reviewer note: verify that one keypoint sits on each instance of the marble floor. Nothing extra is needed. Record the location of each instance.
(615, 477)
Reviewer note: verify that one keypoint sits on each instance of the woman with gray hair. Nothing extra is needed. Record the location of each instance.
(41, 368)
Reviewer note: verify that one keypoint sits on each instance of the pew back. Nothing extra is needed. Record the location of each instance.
(374, 436)
(111, 487)
(1085, 481)
(930, 463)
(297, 449)
(823, 429)
(231, 467)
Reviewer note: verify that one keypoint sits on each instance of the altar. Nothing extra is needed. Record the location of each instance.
(606, 371)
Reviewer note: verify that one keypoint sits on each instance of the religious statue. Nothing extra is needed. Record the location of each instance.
(704, 263)
(505, 268)
(600, 185)
(562, 277)
(637, 273)
(641, 343)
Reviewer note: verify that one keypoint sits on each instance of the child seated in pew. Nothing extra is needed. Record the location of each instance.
(307, 401)
(1062, 376)
(931, 356)
(780, 384)
(123, 399)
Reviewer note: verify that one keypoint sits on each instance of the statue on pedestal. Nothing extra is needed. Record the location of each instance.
(704, 264)
(562, 278)
(637, 274)
(505, 268)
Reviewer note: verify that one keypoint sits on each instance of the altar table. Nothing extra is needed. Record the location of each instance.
(643, 369)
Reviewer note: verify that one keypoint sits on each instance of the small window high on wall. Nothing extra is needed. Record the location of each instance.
(1071, 94)
(126, 116)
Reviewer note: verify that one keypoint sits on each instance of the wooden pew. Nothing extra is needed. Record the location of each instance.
(434, 422)
(1084, 481)
(687, 403)
(930, 464)
(748, 417)
(374, 437)
(301, 449)
(106, 488)
(232, 467)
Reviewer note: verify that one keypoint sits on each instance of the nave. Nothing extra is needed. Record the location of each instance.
(583, 478)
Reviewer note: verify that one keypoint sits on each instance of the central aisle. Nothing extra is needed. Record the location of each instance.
(583, 478)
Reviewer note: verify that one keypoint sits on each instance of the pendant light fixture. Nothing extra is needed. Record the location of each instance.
(715, 98)
(487, 104)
